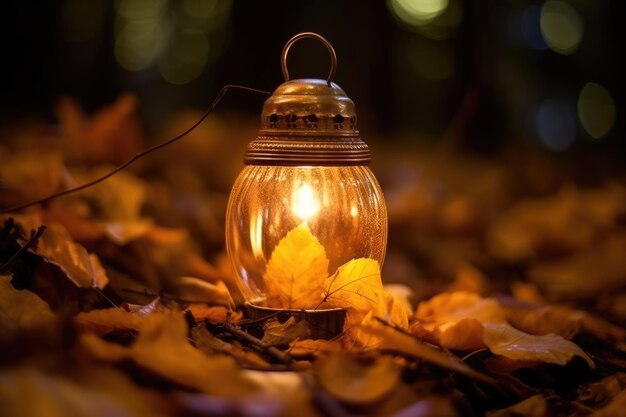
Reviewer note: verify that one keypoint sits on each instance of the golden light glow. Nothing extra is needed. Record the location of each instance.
(304, 204)
(596, 110)
(256, 235)
(561, 27)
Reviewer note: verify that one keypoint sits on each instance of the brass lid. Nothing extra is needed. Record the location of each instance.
(308, 122)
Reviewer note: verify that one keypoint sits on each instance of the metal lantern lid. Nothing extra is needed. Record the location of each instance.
(308, 122)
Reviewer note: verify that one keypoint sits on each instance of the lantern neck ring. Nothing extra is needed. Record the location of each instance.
(299, 36)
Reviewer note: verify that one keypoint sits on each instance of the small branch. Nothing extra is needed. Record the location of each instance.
(242, 335)
(34, 237)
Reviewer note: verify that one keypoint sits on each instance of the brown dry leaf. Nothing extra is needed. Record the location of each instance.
(503, 339)
(561, 320)
(465, 321)
(535, 406)
(82, 268)
(560, 223)
(113, 134)
(616, 408)
(296, 271)
(26, 391)
(398, 341)
(314, 347)
(21, 310)
(199, 291)
(357, 383)
(163, 349)
(29, 176)
(277, 333)
(104, 321)
(586, 274)
(216, 314)
(600, 393)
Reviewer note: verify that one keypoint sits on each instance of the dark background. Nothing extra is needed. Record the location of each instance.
(488, 74)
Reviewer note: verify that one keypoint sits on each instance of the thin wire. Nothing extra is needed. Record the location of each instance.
(141, 154)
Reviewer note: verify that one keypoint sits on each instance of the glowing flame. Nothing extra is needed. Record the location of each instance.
(304, 204)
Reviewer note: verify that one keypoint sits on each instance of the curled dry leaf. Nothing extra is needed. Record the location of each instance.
(357, 383)
(296, 270)
(465, 321)
(57, 247)
(199, 291)
(277, 333)
(104, 321)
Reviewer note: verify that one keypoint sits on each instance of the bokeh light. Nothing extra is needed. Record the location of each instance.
(596, 110)
(561, 27)
(185, 57)
(556, 125)
(417, 12)
(141, 32)
(531, 29)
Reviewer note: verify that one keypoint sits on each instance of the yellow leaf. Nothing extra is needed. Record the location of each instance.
(20, 310)
(357, 287)
(503, 339)
(355, 383)
(466, 321)
(296, 271)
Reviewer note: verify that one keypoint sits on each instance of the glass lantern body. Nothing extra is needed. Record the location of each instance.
(343, 207)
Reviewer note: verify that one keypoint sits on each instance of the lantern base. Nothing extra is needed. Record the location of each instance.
(324, 323)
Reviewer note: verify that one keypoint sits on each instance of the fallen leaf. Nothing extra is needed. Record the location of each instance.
(216, 314)
(503, 339)
(356, 383)
(197, 290)
(106, 320)
(466, 321)
(313, 347)
(21, 310)
(163, 349)
(357, 287)
(398, 341)
(296, 271)
(82, 268)
(90, 391)
(277, 333)
(602, 392)
(616, 408)
(535, 406)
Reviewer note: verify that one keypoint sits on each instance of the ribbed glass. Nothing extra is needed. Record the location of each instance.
(343, 207)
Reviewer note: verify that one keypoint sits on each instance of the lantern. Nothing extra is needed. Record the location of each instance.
(308, 169)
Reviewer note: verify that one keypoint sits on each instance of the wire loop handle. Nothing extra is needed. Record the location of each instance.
(313, 35)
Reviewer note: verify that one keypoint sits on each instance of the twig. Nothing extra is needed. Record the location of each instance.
(141, 154)
(34, 237)
(241, 334)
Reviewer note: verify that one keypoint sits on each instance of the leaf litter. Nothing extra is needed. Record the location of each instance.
(122, 305)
